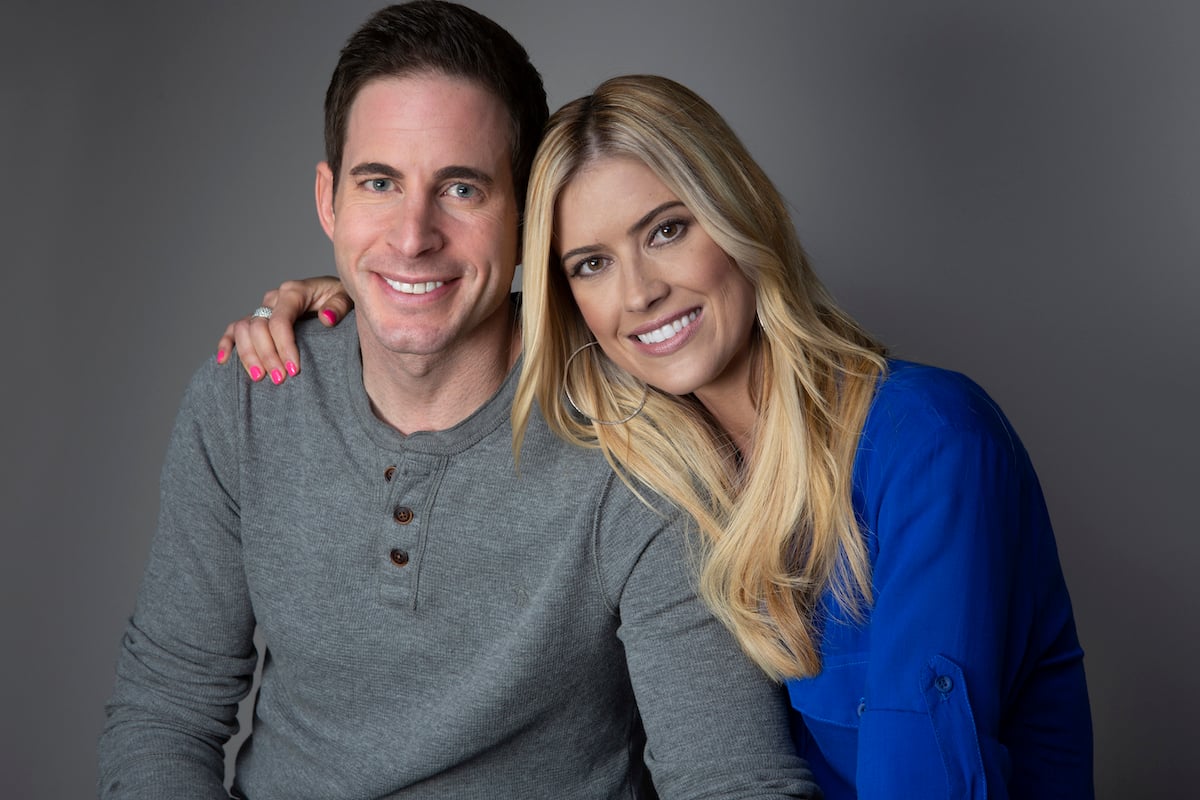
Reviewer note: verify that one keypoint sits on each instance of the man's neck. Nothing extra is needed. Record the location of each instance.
(437, 391)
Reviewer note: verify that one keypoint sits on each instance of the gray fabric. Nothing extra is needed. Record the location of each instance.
(502, 660)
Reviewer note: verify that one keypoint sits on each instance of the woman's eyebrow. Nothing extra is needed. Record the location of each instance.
(570, 255)
(654, 212)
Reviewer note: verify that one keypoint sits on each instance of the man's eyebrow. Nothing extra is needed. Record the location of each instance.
(453, 172)
(376, 168)
(464, 173)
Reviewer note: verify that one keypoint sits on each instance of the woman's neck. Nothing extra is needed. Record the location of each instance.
(731, 402)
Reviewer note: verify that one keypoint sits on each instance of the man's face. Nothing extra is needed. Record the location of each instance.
(424, 221)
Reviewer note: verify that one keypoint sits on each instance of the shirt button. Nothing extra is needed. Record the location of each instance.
(389, 473)
(862, 706)
(403, 515)
(943, 683)
(399, 557)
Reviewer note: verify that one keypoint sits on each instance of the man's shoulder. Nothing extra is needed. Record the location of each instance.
(218, 393)
(313, 337)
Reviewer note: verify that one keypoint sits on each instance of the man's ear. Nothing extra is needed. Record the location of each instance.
(324, 193)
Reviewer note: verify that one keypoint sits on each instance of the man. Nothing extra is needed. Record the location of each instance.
(435, 624)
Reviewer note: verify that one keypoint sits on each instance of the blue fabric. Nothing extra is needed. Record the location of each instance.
(966, 679)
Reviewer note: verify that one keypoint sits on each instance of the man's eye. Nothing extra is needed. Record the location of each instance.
(379, 184)
(463, 191)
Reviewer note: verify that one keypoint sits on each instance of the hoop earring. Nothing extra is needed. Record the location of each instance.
(584, 414)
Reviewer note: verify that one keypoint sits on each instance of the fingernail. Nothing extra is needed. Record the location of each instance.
(255, 373)
(329, 315)
(220, 356)
(276, 377)
(291, 368)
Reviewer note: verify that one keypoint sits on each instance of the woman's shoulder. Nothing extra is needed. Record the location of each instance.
(918, 396)
(917, 404)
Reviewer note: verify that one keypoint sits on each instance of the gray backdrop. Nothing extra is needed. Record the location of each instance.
(1011, 191)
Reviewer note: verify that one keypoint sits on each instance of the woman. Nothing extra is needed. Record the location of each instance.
(874, 532)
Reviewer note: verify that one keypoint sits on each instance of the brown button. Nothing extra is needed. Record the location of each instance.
(399, 557)
(403, 515)
(389, 473)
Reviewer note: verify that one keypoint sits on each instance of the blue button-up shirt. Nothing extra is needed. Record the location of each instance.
(966, 679)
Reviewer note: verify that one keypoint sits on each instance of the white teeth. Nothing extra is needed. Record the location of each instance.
(414, 288)
(667, 331)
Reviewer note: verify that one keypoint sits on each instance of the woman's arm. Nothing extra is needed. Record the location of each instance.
(975, 678)
(267, 345)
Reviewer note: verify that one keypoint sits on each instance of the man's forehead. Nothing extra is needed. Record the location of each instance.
(430, 113)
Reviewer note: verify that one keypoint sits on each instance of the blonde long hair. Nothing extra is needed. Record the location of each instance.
(779, 529)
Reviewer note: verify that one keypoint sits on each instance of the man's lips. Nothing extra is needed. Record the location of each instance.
(422, 287)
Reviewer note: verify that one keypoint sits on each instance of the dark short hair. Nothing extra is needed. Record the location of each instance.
(433, 36)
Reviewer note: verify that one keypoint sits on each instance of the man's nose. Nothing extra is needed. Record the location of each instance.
(415, 229)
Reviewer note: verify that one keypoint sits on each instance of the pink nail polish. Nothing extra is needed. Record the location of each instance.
(292, 369)
(255, 373)
(276, 377)
(329, 315)
(220, 356)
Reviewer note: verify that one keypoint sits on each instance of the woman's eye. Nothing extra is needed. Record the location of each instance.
(667, 232)
(463, 191)
(588, 266)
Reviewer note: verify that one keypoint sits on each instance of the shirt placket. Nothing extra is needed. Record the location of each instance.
(412, 486)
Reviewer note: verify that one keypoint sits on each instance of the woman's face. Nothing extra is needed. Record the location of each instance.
(662, 299)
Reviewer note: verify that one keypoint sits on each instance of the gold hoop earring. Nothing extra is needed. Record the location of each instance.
(584, 414)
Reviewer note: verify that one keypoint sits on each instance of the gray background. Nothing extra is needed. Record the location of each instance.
(1012, 191)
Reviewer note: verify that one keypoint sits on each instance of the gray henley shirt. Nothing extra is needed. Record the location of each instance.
(436, 624)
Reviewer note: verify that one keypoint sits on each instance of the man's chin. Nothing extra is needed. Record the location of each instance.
(401, 341)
